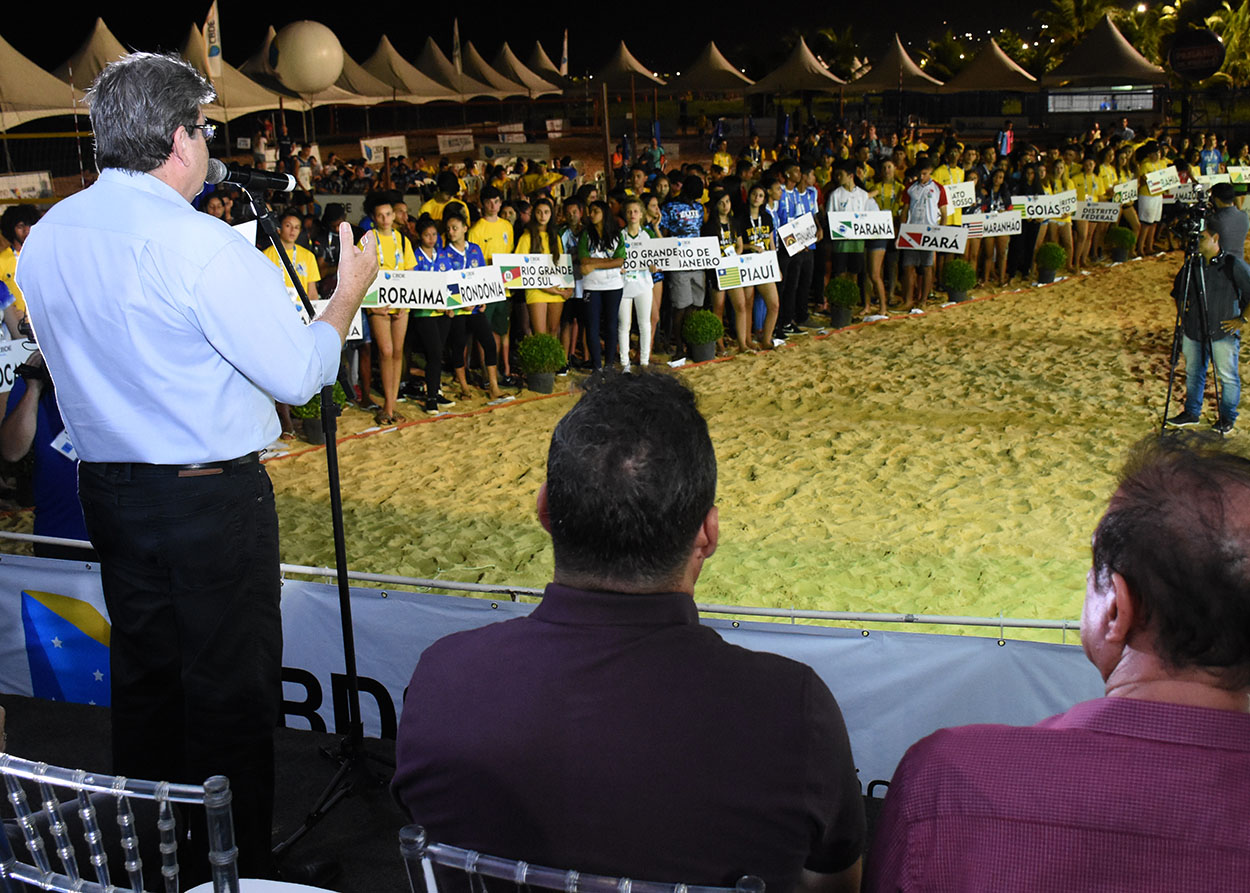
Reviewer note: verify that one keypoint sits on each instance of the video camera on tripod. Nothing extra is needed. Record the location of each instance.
(1191, 220)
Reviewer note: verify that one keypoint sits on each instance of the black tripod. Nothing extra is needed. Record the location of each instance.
(1193, 288)
(350, 754)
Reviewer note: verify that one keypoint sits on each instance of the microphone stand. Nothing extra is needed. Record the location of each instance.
(350, 754)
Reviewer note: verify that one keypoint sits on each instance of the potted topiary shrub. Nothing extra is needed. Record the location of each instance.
(542, 356)
(1120, 240)
(1051, 258)
(701, 330)
(958, 278)
(310, 414)
(842, 294)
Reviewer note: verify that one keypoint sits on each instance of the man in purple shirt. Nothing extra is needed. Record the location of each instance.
(609, 731)
(1146, 788)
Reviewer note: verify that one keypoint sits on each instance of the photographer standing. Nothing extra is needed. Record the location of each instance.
(1227, 281)
(1229, 220)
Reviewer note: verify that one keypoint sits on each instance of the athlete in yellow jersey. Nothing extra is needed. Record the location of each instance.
(389, 326)
(15, 224)
(303, 260)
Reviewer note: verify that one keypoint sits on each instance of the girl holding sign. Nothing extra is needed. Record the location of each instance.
(459, 254)
(431, 326)
(1149, 207)
(996, 198)
(887, 192)
(636, 295)
(540, 236)
(601, 253)
(721, 223)
(1056, 229)
(759, 235)
(389, 326)
(1089, 188)
(1125, 172)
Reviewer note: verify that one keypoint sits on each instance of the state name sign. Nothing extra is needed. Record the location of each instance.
(1209, 180)
(1125, 193)
(375, 149)
(1238, 174)
(1160, 181)
(799, 233)
(996, 223)
(12, 355)
(861, 225)
(1183, 193)
(412, 290)
(534, 270)
(1043, 207)
(355, 332)
(740, 270)
(960, 195)
(1098, 212)
(918, 236)
(455, 143)
(698, 253)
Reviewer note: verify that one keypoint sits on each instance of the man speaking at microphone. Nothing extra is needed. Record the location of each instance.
(169, 336)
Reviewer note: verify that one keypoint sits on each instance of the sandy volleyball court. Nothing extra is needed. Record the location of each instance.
(950, 464)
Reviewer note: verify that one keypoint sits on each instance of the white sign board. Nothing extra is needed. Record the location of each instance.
(988, 226)
(355, 332)
(739, 270)
(1098, 212)
(32, 184)
(412, 290)
(698, 253)
(373, 149)
(12, 355)
(1125, 193)
(961, 195)
(1238, 174)
(1042, 207)
(353, 205)
(556, 128)
(1160, 181)
(1209, 180)
(497, 152)
(455, 143)
(918, 236)
(861, 225)
(534, 270)
(799, 233)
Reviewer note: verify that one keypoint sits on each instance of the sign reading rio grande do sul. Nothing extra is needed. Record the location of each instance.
(412, 290)
(535, 270)
(919, 237)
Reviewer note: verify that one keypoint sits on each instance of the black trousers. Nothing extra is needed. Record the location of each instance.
(432, 332)
(189, 565)
(796, 283)
(477, 325)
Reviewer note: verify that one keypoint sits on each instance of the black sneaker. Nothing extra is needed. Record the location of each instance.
(1185, 420)
(563, 370)
(1223, 427)
(431, 407)
(443, 401)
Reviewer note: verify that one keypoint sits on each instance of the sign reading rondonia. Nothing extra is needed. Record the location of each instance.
(411, 290)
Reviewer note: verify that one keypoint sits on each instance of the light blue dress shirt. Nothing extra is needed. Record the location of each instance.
(168, 335)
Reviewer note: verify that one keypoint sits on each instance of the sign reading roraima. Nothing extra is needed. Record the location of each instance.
(412, 290)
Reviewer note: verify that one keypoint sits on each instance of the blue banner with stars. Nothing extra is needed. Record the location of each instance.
(67, 648)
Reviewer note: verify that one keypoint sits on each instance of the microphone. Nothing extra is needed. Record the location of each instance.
(247, 177)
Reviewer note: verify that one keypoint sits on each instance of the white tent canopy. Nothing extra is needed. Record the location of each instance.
(801, 71)
(98, 50)
(710, 72)
(476, 66)
(434, 63)
(507, 64)
(895, 70)
(991, 69)
(402, 76)
(27, 92)
(237, 94)
(540, 63)
(623, 67)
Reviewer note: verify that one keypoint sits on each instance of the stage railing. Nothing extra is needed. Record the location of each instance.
(514, 593)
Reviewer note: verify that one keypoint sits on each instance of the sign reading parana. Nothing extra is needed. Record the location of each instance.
(861, 225)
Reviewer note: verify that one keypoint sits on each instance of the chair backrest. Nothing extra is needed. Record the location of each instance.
(88, 791)
(421, 855)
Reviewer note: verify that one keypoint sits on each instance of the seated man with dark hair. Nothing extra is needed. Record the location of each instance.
(610, 732)
(1146, 788)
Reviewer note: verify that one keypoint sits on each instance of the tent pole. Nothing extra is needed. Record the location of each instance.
(607, 137)
(633, 105)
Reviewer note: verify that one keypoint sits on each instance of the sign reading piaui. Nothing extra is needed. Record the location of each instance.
(1043, 207)
(917, 236)
(739, 270)
(535, 270)
(698, 253)
(861, 225)
(799, 233)
(412, 290)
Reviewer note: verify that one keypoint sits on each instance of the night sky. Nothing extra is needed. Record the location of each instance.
(753, 35)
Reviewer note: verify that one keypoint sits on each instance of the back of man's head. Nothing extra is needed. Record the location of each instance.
(631, 476)
(1178, 531)
(137, 103)
(1224, 193)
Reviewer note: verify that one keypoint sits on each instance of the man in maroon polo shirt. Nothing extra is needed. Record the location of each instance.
(1147, 788)
(609, 731)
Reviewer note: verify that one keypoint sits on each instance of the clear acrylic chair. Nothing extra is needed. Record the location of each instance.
(421, 855)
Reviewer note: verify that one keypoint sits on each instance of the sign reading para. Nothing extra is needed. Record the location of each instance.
(960, 195)
(919, 237)
(740, 270)
(1098, 212)
(861, 225)
(1160, 181)
(1042, 207)
(699, 253)
(1125, 193)
(534, 270)
(799, 233)
(997, 223)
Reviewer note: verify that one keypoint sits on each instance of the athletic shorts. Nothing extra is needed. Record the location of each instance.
(847, 262)
(879, 244)
(686, 288)
(1149, 208)
(910, 257)
(499, 315)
